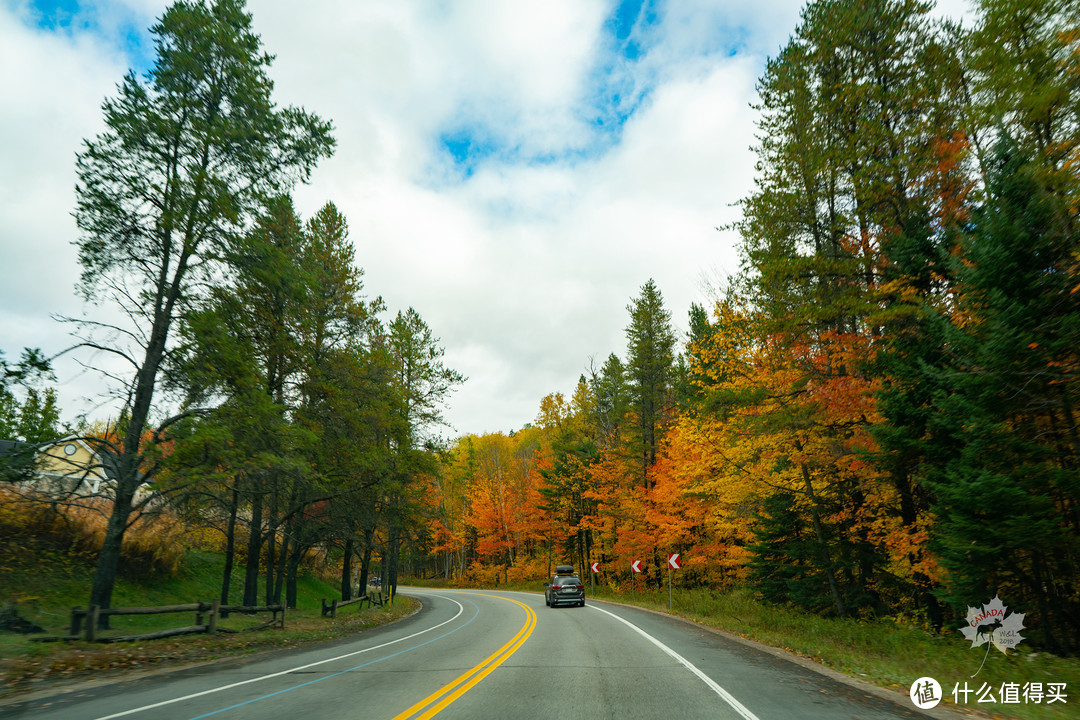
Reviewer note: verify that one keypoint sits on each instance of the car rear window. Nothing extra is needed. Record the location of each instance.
(567, 580)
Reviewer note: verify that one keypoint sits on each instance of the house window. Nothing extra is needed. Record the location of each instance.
(70, 449)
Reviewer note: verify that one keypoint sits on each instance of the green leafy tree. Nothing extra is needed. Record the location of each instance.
(612, 399)
(9, 414)
(843, 244)
(347, 398)
(186, 160)
(1024, 65)
(423, 380)
(31, 365)
(39, 417)
(34, 421)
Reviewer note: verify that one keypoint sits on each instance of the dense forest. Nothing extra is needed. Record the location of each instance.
(875, 416)
(878, 414)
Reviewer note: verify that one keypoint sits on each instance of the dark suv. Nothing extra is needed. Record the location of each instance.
(565, 588)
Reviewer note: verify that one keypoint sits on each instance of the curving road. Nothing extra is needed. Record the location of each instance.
(497, 655)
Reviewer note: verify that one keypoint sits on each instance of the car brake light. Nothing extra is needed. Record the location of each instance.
(580, 587)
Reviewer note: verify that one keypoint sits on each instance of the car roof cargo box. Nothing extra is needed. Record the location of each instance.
(564, 569)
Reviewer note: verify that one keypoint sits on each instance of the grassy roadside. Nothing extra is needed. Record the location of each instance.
(47, 598)
(885, 653)
(889, 654)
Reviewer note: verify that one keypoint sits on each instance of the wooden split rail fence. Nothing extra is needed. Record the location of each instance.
(332, 608)
(206, 619)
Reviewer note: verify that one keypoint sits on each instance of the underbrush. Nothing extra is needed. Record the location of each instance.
(38, 531)
(47, 557)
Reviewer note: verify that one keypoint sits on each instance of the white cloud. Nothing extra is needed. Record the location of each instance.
(525, 268)
(53, 86)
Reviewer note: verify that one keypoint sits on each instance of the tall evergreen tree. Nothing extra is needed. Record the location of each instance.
(609, 387)
(423, 383)
(650, 371)
(1024, 66)
(186, 159)
(855, 110)
(1008, 490)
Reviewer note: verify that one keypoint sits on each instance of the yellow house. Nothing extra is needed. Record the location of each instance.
(66, 465)
(69, 460)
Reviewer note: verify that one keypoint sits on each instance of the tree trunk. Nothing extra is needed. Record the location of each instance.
(819, 531)
(251, 574)
(293, 571)
(271, 543)
(365, 561)
(284, 557)
(230, 548)
(393, 551)
(346, 570)
(129, 476)
(109, 559)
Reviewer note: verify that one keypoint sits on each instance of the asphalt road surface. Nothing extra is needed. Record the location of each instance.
(491, 655)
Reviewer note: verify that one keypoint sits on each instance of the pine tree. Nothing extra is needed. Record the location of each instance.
(783, 565)
(609, 386)
(650, 370)
(1008, 489)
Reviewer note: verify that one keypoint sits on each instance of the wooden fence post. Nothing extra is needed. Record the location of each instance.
(333, 608)
(76, 621)
(283, 617)
(211, 628)
(92, 623)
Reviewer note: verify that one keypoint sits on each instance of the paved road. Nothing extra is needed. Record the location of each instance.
(497, 655)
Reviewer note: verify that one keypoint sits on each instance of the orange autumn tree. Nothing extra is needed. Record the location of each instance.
(783, 436)
(700, 507)
(488, 520)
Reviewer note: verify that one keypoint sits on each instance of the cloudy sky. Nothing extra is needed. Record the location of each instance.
(514, 170)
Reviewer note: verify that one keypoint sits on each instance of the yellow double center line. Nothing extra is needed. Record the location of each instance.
(464, 683)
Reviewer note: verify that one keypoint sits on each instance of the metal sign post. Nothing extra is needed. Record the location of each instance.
(672, 564)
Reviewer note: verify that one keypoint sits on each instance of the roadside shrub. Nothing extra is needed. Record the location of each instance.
(33, 526)
(529, 570)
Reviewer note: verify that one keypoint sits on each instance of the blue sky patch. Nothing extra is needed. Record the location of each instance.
(55, 15)
(468, 148)
(113, 23)
(625, 17)
(627, 25)
(618, 87)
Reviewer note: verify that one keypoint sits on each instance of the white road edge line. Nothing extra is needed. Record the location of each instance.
(461, 609)
(724, 694)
